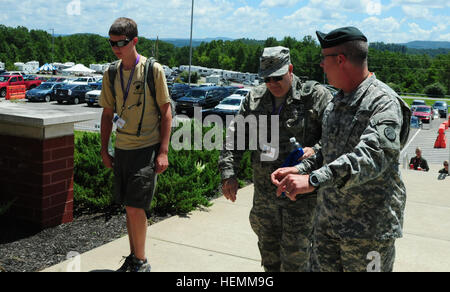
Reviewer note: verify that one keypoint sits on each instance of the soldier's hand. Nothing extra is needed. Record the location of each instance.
(293, 185)
(307, 153)
(278, 175)
(229, 188)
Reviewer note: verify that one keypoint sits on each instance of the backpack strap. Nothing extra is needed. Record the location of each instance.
(112, 73)
(151, 79)
(148, 76)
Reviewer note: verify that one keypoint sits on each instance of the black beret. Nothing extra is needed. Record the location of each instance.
(339, 36)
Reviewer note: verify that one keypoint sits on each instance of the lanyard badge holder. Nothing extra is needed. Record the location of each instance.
(118, 121)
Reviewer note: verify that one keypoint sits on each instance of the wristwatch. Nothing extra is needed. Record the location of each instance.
(314, 180)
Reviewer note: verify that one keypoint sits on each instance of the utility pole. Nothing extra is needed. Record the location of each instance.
(157, 48)
(53, 43)
(190, 50)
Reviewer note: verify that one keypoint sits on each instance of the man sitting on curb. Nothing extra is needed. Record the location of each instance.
(418, 162)
(445, 169)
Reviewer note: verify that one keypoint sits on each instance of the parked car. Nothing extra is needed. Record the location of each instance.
(12, 80)
(233, 88)
(57, 79)
(93, 96)
(179, 90)
(228, 106)
(205, 97)
(442, 108)
(10, 73)
(84, 80)
(242, 92)
(416, 103)
(72, 93)
(424, 113)
(43, 92)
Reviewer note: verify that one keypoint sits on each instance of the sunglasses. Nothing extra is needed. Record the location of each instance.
(273, 79)
(121, 43)
(322, 57)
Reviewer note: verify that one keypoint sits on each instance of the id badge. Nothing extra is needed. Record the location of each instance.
(269, 153)
(120, 123)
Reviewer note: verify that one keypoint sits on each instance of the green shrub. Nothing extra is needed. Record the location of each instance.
(191, 180)
(93, 183)
(185, 77)
(435, 89)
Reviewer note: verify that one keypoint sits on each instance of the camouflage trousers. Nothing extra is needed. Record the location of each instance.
(351, 255)
(284, 231)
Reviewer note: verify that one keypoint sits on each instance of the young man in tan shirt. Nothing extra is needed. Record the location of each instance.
(140, 157)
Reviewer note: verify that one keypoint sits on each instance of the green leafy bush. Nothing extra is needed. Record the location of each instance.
(435, 89)
(191, 180)
(93, 183)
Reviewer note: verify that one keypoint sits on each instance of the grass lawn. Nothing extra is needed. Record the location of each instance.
(429, 102)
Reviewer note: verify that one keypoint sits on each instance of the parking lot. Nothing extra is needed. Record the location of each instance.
(423, 137)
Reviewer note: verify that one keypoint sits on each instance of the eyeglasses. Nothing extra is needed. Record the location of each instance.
(273, 79)
(121, 43)
(322, 57)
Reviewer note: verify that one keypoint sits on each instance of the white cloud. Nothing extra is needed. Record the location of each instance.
(380, 20)
(278, 3)
(381, 25)
(416, 11)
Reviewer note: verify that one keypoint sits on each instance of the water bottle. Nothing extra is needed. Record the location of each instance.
(294, 156)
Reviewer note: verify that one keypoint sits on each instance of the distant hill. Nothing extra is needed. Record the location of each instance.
(195, 42)
(427, 45)
(417, 48)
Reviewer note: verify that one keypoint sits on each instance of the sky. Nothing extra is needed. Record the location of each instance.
(389, 21)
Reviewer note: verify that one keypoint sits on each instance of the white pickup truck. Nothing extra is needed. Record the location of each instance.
(83, 80)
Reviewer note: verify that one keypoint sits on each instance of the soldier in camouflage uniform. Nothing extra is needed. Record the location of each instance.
(283, 227)
(361, 196)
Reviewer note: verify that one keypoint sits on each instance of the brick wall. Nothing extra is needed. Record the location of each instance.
(38, 175)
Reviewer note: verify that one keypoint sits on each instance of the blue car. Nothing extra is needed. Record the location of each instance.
(44, 92)
(179, 90)
(204, 97)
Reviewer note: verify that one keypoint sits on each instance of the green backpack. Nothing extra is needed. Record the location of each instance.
(148, 75)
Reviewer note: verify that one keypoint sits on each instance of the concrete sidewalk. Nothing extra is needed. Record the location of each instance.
(220, 239)
(217, 239)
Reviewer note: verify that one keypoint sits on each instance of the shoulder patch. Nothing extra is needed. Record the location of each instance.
(389, 132)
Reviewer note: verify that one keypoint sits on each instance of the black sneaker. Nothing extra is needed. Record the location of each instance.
(140, 266)
(127, 264)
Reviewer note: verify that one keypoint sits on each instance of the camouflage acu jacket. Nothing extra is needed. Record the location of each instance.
(361, 193)
(300, 117)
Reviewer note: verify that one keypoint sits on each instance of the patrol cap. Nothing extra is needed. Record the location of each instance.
(340, 36)
(274, 61)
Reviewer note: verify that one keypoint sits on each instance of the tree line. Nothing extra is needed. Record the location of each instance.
(393, 64)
